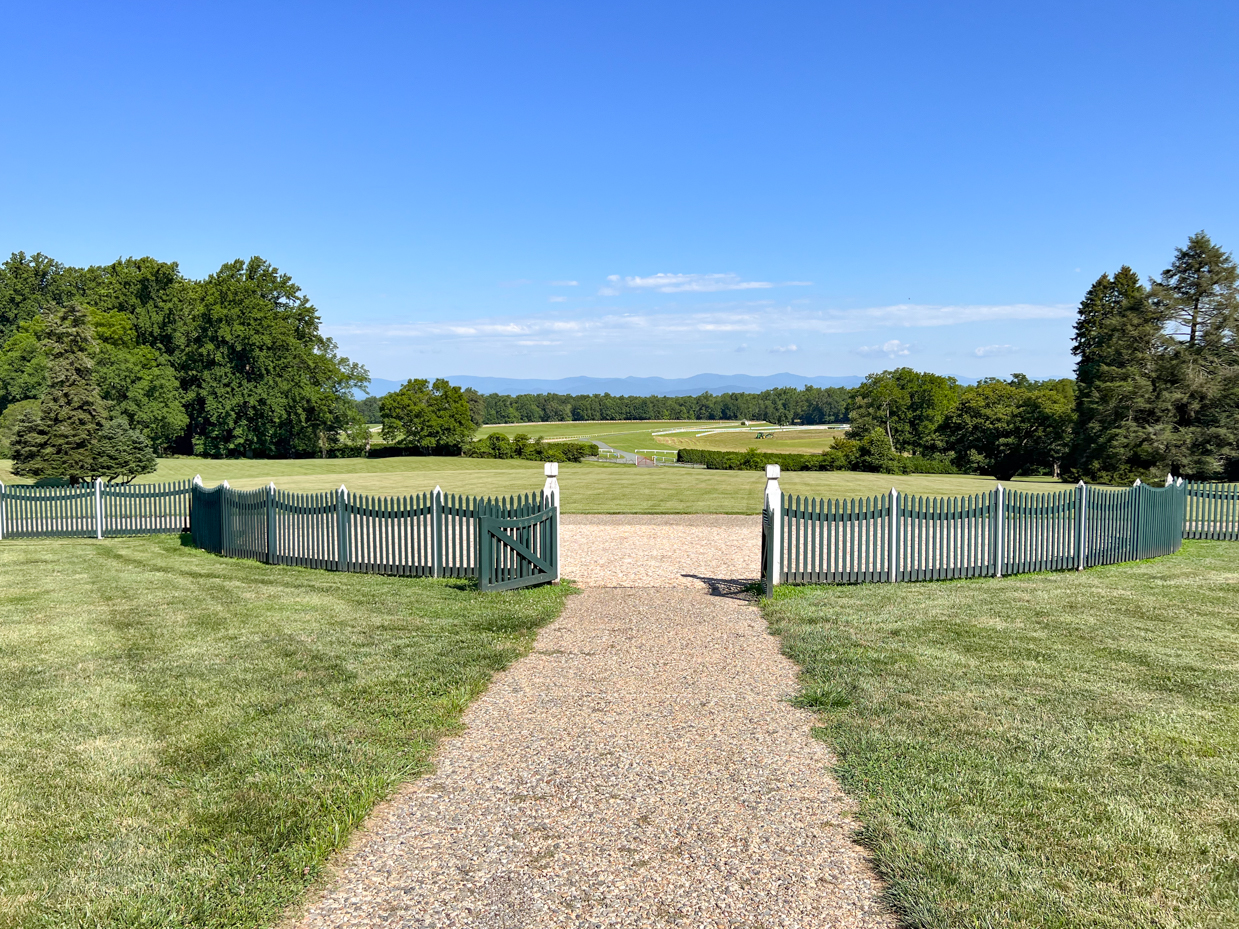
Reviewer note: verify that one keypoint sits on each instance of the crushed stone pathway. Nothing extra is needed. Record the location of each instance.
(640, 768)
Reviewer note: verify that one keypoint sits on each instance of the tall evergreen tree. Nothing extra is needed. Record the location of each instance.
(60, 442)
(1120, 425)
(1199, 374)
(1199, 293)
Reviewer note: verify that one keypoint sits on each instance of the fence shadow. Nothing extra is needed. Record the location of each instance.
(746, 589)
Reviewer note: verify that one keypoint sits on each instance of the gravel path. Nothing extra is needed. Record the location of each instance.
(640, 768)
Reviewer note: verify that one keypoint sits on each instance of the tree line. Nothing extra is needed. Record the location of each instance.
(232, 365)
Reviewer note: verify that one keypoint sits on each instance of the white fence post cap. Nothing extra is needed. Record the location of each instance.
(772, 472)
(198, 479)
(343, 490)
(551, 469)
(1136, 483)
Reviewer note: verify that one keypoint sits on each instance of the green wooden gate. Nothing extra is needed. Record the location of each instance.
(517, 546)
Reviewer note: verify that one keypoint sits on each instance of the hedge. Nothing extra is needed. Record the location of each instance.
(832, 460)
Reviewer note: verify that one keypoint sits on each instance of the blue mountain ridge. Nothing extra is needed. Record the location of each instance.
(630, 386)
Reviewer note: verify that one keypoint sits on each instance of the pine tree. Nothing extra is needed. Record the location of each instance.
(61, 441)
(1199, 296)
(122, 453)
(1199, 292)
(1121, 426)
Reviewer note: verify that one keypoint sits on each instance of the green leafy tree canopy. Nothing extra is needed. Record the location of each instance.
(427, 416)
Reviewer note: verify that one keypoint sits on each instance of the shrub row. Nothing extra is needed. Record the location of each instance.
(835, 459)
(498, 445)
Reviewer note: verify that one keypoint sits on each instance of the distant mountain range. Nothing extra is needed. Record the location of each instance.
(631, 386)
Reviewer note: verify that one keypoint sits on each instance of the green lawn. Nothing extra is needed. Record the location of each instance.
(794, 441)
(187, 738)
(1044, 751)
(587, 487)
(658, 435)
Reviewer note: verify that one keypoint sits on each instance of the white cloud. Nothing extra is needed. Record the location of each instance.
(564, 283)
(557, 299)
(892, 348)
(688, 283)
(784, 348)
(986, 351)
(724, 325)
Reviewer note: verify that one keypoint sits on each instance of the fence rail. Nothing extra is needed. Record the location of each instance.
(894, 537)
(504, 542)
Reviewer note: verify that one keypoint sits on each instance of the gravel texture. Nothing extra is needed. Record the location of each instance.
(640, 768)
(660, 551)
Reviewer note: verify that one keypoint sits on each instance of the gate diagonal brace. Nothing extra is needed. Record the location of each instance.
(497, 533)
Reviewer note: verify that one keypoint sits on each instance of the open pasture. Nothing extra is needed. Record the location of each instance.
(718, 435)
(588, 487)
(628, 436)
(736, 439)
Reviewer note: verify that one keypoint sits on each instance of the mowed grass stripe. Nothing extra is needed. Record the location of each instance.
(188, 737)
(1049, 750)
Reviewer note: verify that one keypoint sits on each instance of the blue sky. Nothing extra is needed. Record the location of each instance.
(636, 189)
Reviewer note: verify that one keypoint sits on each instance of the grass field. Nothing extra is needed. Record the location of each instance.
(796, 441)
(587, 487)
(1057, 750)
(631, 436)
(187, 738)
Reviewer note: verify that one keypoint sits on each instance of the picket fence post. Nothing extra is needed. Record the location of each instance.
(1081, 516)
(550, 497)
(436, 533)
(98, 508)
(1137, 504)
(272, 542)
(893, 573)
(342, 529)
(3, 508)
(1000, 527)
(774, 503)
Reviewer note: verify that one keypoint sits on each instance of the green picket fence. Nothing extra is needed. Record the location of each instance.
(1212, 511)
(145, 509)
(898, 537)
(93, 510)
(514, 540)
(504, 542)
(28, 512)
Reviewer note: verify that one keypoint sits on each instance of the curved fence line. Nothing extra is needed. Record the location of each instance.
(422, 535)
(504, 542)
(902, 537)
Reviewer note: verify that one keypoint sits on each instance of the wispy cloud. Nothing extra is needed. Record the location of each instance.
(892, 348)
(688, 283)
(557, 299)
(723, 325)
(985, 351)
(564, 283)
(783, 348)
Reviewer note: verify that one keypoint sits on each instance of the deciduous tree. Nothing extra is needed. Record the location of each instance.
(427, 416)
(906, 405)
